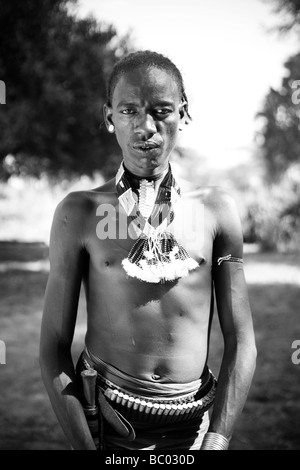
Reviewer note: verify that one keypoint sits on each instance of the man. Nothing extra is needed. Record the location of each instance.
(151, 260)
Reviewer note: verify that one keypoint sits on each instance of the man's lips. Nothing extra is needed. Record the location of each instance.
(148, 145)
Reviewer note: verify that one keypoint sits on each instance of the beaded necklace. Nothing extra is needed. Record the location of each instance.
(156, 256)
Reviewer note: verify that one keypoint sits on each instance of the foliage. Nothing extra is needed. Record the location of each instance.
(290, 11)
(280, 132)
(280, 114)
(55, 67)
(273, 215)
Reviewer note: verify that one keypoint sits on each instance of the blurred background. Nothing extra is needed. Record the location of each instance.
(241, 65)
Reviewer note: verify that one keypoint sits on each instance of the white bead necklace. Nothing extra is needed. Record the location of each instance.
(147, 196)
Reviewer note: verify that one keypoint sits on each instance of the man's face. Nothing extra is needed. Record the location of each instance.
(145, 111)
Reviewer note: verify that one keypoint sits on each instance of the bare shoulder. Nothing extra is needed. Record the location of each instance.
(218, 199)
(215, 198)
(222, 209)
(228, 228)
(75, 210)
(82, 203)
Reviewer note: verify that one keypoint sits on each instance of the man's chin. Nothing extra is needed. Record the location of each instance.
(146, 162)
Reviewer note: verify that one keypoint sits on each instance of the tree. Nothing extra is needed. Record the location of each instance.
(281, 117)
(290, 11)
(273, 217)
(55, 67)
(281, 111)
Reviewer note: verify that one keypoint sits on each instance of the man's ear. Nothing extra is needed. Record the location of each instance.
(108, 118)
(182, 111)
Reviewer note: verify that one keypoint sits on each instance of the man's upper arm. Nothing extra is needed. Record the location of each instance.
(229, 236)
(67, 261)
(229, 280)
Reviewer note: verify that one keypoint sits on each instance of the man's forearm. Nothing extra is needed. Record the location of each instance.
(59, 380)
(234, 381)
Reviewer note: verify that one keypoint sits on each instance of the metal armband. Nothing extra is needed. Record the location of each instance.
(232, 259)
(214, 441)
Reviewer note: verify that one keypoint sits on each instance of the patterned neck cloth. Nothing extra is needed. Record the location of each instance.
(156, 256)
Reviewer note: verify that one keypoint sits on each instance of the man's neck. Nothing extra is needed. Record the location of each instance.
(135, 180)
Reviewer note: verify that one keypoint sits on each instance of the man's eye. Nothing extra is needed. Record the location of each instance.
(163, 111)
(128, 111)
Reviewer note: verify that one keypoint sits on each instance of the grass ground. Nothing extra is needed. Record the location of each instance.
(271, 417)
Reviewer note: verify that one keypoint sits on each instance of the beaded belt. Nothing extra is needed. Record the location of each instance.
(137, 408)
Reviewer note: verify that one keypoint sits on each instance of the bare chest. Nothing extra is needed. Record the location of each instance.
(113, 235)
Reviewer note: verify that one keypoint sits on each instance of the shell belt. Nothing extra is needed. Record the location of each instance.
(136, 408)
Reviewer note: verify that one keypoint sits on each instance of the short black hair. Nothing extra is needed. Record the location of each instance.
(149, 59)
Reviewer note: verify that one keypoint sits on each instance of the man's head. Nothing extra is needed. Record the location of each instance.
(146, 104)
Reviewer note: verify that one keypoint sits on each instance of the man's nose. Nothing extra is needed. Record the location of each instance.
(146, 125)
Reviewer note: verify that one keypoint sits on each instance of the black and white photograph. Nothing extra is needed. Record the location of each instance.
(149, 227)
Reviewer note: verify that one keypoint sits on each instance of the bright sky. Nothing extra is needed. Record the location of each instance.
(227, 58)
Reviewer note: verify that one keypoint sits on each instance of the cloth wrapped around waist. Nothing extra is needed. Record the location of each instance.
(143, 402)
